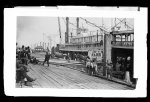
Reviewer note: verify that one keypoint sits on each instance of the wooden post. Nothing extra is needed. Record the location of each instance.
(104, 56)
(130, 37)
(106, 51)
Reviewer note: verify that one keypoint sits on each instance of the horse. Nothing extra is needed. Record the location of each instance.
(59, 55)
(82, 58)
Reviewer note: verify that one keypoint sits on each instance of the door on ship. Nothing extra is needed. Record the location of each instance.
(122, 53)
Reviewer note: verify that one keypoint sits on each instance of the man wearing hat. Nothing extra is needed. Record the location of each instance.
(88, 65)
(47, 57)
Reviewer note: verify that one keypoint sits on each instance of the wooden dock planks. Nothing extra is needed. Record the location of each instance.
(63, 77)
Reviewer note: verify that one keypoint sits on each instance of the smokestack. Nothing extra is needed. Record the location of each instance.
(67, 30)
(77, 25)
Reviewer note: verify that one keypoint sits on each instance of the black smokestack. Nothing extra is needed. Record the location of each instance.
(67, 30)
(77, 25)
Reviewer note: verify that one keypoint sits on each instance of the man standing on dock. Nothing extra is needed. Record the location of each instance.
(47, 57)
(128, 71)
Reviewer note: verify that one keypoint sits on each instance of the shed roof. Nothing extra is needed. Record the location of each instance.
(123, 32)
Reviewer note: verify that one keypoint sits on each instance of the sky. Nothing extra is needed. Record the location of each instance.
(32, 30)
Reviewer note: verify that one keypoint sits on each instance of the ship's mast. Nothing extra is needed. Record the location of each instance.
(124, 21)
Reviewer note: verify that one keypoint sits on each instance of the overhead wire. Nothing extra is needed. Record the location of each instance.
(100, 27)
(88, 23)
(123, 20)
(126, 23)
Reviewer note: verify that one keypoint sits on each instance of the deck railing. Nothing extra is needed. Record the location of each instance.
(123, 43)
(78, 48)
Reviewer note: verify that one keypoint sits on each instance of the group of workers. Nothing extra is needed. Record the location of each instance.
(126, 65)
(91, 66)
(23, 57)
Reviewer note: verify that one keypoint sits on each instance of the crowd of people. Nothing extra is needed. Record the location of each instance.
(23, 57)
(123, 65)
(91, 66)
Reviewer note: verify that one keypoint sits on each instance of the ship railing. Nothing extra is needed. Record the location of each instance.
(123, 43)
(79, 48)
